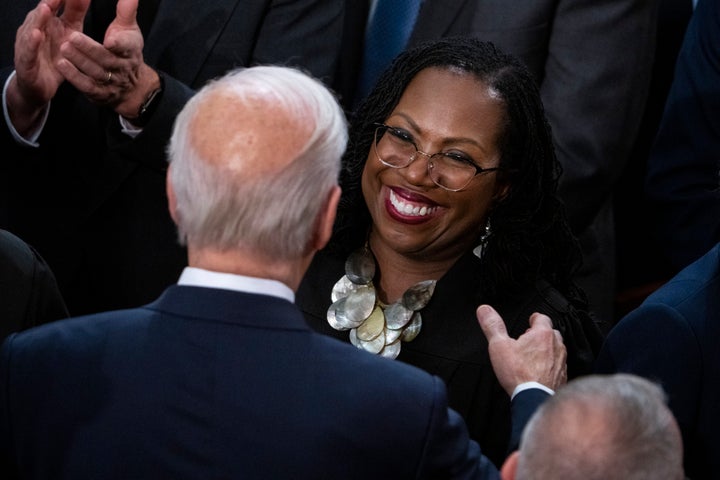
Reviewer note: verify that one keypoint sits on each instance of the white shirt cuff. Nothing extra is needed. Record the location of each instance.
(31, 140)
(128, 128)
(528, 386)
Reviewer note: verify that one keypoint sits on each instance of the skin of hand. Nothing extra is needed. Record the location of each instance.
(538, 355)
(113, 73)
(37, 50)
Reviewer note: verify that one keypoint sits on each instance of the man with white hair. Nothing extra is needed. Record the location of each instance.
(601, 427)
(221, 377)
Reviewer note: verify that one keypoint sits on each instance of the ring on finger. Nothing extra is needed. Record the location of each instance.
(108, 77)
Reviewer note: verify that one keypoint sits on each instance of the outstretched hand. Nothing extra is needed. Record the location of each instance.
(538, 355)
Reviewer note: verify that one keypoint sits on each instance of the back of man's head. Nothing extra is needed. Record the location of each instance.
(253, 157)
(602, 427)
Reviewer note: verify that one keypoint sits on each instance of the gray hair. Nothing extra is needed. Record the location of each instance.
(219, 207)
(601, 427)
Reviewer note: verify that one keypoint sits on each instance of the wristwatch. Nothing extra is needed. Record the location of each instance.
(148, 107)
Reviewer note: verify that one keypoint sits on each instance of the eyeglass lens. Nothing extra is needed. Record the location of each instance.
(396, 149)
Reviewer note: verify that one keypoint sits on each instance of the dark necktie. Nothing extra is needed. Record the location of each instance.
(387, 32)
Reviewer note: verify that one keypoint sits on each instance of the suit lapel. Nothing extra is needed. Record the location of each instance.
(183, 34)
(435, 18)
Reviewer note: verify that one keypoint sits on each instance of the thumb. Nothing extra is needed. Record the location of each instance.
(126, 12)
(491, 323)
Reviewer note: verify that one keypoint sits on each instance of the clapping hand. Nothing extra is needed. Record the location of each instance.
(38, 43)
(113, 73)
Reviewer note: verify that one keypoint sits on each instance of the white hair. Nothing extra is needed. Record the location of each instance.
(273, 214)
(603, 427)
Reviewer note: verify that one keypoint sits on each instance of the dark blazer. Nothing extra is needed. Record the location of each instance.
(211, 383)
(673, 338)
(683, 176)
(29, 295)
(593, 62)
(91, 199)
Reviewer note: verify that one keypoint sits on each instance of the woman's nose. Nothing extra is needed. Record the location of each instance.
(417, 172)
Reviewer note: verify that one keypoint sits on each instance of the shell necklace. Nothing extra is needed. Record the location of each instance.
(375, 327)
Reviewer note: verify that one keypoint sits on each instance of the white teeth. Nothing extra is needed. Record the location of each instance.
(409, 209)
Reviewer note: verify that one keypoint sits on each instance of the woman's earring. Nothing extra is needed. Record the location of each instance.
(480, 249)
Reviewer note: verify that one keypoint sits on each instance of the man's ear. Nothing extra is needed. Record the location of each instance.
(509, 467)
(172, 202)
(326, 219)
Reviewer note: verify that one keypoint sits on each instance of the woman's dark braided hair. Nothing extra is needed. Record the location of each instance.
(531, 237)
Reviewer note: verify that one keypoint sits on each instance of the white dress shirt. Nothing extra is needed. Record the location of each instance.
(199, 277)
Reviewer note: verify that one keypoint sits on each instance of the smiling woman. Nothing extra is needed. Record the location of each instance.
(444, 111)
(449, 202)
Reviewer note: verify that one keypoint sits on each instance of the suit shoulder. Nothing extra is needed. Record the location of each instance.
(75, 333)
(16, 256)
(697, 284)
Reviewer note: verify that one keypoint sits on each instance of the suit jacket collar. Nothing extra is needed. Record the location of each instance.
(228, 306)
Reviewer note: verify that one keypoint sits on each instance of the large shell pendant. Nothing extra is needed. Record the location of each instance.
(360, 266)
(372, 327)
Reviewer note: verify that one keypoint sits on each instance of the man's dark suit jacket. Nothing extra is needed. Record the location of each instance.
(211, 383)
(674, 338)
(29, 294)
(91, 199)
(683, 177)
(592, 61)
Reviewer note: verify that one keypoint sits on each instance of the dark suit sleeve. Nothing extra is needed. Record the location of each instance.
(149, 147)
(596, 76)
(449, 452)
(522, 408)
(683, 178)
(656, 341)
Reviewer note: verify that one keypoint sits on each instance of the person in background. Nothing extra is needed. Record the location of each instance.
(593, 62)
(672, 338)
(449, 202)
(600, 427)
(683, 177)
(89, 102)
(641, 267)
(221, 376)
(29, 295)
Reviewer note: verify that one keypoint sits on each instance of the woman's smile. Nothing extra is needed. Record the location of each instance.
(409, 207)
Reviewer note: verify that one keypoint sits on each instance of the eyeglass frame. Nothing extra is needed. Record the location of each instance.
(478, 169)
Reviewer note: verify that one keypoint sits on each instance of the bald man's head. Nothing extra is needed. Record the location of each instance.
(248, 134)
(253, 156)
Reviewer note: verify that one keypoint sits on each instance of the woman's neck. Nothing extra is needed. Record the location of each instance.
(398, 272)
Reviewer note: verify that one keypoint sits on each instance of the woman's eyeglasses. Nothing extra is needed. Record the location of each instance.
(395, 148)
